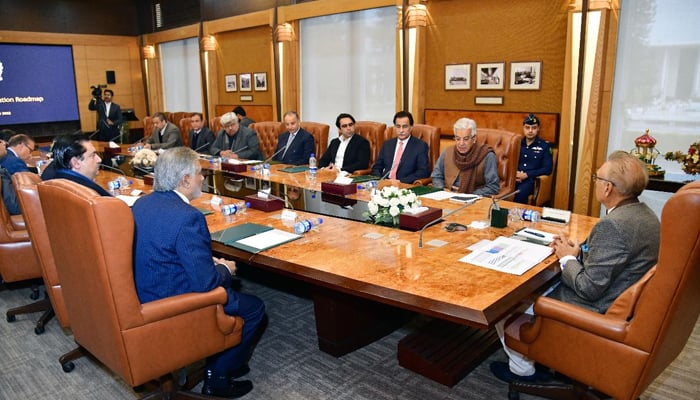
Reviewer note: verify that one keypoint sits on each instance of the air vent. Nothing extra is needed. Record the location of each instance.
(158, 16)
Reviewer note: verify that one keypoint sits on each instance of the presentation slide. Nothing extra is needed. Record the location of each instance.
(37, 84)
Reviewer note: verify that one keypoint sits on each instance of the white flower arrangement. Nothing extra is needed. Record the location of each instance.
(145, 158)
(386, 205)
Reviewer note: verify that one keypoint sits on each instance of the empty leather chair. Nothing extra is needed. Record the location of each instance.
(268, 134)
(320, 133)
(621, 352)
(374, 133)
(506, 145)
(542, 193)
(138, 342)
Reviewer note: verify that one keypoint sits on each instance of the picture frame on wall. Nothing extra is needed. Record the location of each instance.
(525, 75)
(490, 76)
(245, 83)
(231, 83)
(458, 76)
(260, 81)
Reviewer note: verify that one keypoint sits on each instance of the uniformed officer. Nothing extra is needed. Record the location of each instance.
(535, 159)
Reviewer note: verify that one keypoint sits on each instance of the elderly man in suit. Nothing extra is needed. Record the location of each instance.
(109, 116)
(19, 152)
(200, 136)
(165, 135)
(172, 256)
(404, 158)
(348, 152)
(620, 249)
(295, 145)
(236, 141)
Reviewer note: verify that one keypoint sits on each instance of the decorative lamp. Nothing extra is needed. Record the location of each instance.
(209, 43)
(645, 150)
(416, 15)
(149, 52)
(284, 32)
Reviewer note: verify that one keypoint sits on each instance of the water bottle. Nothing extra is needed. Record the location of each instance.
(265, 182)
(230, 209)
(114, 187)
(369, 185)
(524, 214)
(306, 225)
(312, 166)
(124, 183)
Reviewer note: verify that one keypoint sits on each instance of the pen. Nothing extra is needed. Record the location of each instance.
(554, 219)
(534, 234)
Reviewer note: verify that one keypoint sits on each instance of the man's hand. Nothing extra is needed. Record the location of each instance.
(231, 265)
(520, 176)
(147, 146)
(330, 167)
(229, 154)
(564, 246)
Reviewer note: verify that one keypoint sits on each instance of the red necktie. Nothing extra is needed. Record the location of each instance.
(397, 160)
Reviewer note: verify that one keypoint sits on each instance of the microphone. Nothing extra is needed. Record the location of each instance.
(94, 133)
(267, 160)
(285, 200)
(436, 220)
(216, 191)
(505, 196)
(241, 149)
(114, 137)
(201, 147)
(113, 169)
(386, 174)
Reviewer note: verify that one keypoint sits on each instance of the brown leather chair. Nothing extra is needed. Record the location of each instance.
(215, 125)
(506, 145)
(138, 342)
(430, 135)
(18, 263)
(542, 193)
(374, 133)
(621, 352)
(268, 133)
(147, 126)
(185, 125)
(320, 133)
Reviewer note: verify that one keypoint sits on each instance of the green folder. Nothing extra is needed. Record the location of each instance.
(205, 211)
(294, 170)
(231, 236)
(421, 190)
(364, 178)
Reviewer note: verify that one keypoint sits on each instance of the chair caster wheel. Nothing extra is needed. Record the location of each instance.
(513, 395)
(34, 295)
(11, 318)
(39, 330)
(68, 367)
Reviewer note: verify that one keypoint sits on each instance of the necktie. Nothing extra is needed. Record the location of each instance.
(289, 143)
(397, 160)
(194, 140)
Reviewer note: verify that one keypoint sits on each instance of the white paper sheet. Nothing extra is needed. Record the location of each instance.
(508, 255)
(268, 239)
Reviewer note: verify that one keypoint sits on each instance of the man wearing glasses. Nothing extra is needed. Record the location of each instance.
(77, 160)
(238, 142)
(466, 166)
(19, 152)
(403, 158)
(348, 152)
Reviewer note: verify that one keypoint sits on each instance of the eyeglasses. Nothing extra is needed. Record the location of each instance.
(31, 149)
(348, 125)
(464, 139)
(595, 177)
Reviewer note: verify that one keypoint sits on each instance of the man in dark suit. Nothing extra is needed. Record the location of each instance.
(19, 152)
(236, 141)
(296, 145)
(109, 116)
(76, 159)
(9, 196)
(165, 135)
(201, 137)
(348, 152)
(404, 158)
(172, 256)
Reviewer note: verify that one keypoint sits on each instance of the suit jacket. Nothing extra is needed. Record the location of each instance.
(245, 139)
(298, 153)
(107, 132)
(620, 249)
(356, 154)
(171, 138)
(81, 179)
(172, 251)
(202, 144)
(9, 196)
(246, 122)
(13, 164)
(414, 161)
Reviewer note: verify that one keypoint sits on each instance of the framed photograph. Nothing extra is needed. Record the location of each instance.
(525, 75)
(260, 81)
(490, 76)
(231, 83)
(458, 76)
(245, 83)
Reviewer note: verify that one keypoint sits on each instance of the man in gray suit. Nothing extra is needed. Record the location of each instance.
(620, 249)
(236, 141)
(165, 134)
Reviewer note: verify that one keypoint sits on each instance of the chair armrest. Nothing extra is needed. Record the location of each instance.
(581, 318)
(18, 222)
(171, 306)
(542, 192)
(361, 172)
(18, 236)
(424, 181)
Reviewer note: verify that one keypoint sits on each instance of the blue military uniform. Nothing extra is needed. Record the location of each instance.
(535, 160)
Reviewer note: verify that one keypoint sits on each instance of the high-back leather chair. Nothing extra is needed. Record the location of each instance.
(185, 125)
(320, 133)
(542, 193)
(506, 145)
(215, 125)
(430, 135)
(268, 134)
(139, 342)
(622, 351)
(147, 126)
(374, 133)
(18, 263)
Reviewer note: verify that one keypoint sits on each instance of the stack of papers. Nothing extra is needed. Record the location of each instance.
(506, 255)
(555, 215)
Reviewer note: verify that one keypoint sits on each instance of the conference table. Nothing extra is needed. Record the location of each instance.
(366, 280)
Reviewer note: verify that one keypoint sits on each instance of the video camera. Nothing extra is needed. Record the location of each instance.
(97, 90)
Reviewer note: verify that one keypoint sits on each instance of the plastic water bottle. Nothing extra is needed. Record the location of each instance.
(312, 166)
(524, 214)
(124, 183)
(369, 185)
(231, 209)
(306, 225)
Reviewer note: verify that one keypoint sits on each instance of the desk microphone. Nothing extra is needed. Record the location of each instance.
(285, 200)
(505, 196)
(386, 174)
(113, 169)
(241, 149)
(216, 191)
(94, 133)
(114, 137)
(267, 160)
(436, 220)
(201, 147)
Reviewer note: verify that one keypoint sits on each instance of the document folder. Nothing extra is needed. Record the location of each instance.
(253, 238)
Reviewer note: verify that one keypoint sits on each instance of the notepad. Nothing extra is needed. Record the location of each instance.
(423, 190)
(294, 170)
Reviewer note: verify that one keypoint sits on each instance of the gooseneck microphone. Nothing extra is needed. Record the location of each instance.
(241, 149)
(267, 160)
(505, 196)
(94, 133)
(385, 174)
(105, 166)
(201, 147)
(436, 220)
(119, 135)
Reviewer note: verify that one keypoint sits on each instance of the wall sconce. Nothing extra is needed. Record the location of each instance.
(593, 5)
(149, 52)
(284, 32)
(209, 43)
(416, 15)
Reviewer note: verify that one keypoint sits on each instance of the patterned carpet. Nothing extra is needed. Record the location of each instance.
(286, 365)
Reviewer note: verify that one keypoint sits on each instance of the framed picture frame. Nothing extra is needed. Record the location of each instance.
(231, 83)
(458, 76)
(260, 79)
(526, 75)
(490, 76)
(245, 83)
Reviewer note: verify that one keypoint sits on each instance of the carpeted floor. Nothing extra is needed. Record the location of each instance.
(286, 365)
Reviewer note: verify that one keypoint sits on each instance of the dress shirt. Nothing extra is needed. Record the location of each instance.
(340, 155)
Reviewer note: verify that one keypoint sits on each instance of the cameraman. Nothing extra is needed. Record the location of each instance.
(109, 115)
